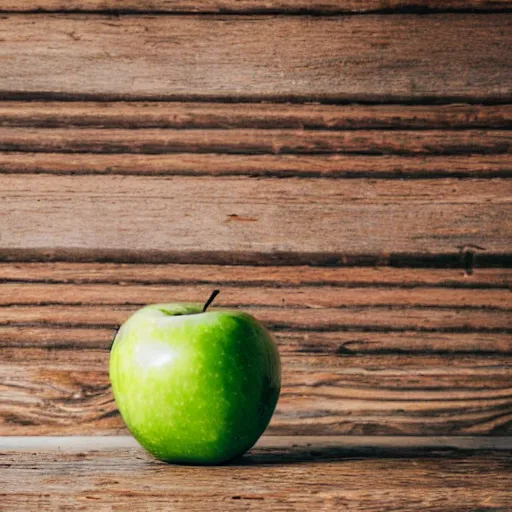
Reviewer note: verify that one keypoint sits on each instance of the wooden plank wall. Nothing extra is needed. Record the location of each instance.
(340, 169)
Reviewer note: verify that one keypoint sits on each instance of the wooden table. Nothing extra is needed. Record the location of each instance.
(281, 473)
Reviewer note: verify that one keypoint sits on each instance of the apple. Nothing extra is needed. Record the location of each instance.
(195, 386)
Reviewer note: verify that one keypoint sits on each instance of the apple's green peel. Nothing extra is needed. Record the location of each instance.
(193, 387)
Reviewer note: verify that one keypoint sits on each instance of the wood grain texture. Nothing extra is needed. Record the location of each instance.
(97, 140)
(300, 473)
(349, 341)
(188, 115)
(280, 166)
(252, 6)
(365, 350)
(422, 319)
(356, 58)
(269, 276)
(119, 215)
(287, 298)
(311, 296)
(52, 392)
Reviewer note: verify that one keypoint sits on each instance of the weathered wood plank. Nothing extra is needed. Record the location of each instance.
(356, 58)
(126, 214)
(309, 342)
(241, 141)
(252, 6)
(211, 164)
(222, 275)
(347, 342)
(303, 319)
(55, 114)
(214, 164)
(63, 391)
(323, 296)
(280, 473)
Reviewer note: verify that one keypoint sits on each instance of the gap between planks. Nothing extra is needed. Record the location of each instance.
(457, 259)
(255, 6)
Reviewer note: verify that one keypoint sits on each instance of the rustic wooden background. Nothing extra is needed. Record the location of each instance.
(339, 168)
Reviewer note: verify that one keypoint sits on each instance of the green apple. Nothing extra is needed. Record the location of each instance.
(195, 386)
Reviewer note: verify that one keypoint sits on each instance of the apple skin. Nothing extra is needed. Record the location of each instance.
(195, 387)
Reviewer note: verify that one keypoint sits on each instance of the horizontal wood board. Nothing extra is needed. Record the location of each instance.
(356, 58)
(277, 166)
(246, 141)
(264, 115)
(242, 215)
(299, 473)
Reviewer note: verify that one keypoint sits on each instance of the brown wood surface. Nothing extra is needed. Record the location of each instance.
(322, 296)
(215, 164)
(419, 319)
(365, 350)
(267, 276)
(300, 473)
(252, 6)
(122, 215)
(371, 58)
(242, 141)
(187, 115)
(369, 339)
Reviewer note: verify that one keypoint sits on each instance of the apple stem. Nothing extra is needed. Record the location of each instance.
(211, 299)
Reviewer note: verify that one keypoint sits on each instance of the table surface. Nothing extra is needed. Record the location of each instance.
(280, 473)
